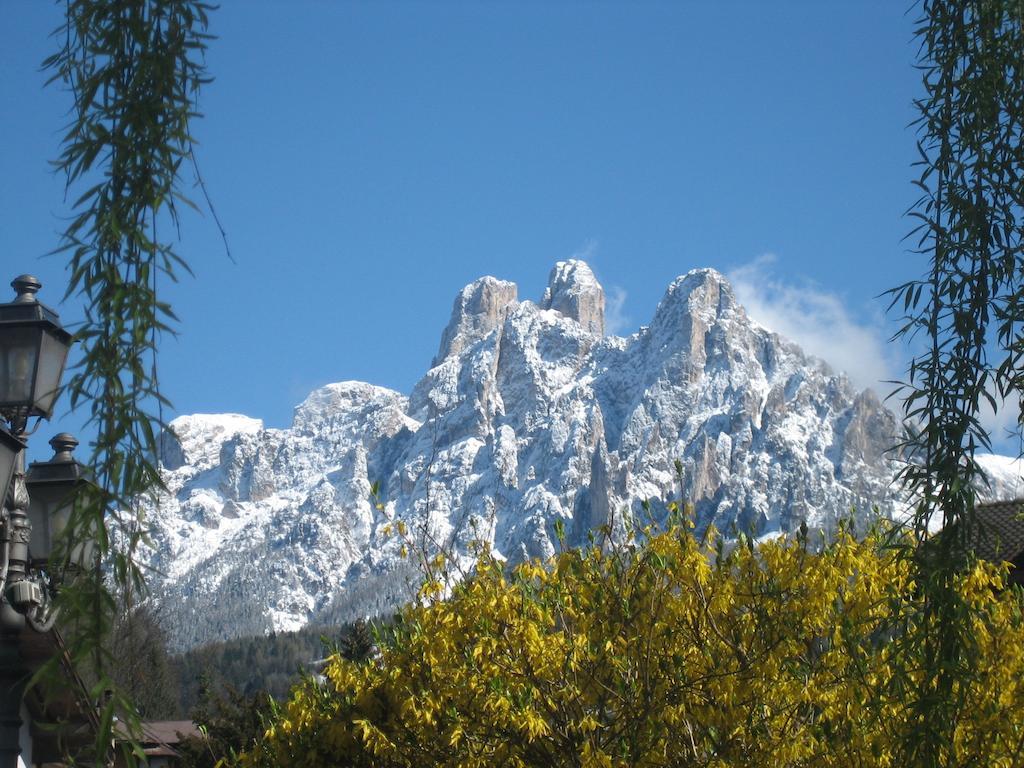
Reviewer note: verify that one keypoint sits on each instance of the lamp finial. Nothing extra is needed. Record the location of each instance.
(26, 286)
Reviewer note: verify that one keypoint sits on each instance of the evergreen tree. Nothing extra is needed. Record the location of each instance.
(358, 644)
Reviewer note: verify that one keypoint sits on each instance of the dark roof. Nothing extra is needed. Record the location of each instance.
(1000, 533)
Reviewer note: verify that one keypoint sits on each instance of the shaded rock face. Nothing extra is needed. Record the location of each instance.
(529, 415)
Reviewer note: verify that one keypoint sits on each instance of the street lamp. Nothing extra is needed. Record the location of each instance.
(33, 350)
(53, 487)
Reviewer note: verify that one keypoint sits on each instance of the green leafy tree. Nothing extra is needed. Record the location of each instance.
(230, 721)
(144, 670)
(133, 69)
(966, 314)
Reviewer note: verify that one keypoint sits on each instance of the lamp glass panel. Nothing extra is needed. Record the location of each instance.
(18, 350)
(8, 455)
(39, 515)
(49, 510)
(52, 354)
(60, 513)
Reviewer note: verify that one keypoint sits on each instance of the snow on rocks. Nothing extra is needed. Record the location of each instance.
(529, 415)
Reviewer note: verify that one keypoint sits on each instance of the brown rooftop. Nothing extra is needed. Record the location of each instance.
(168, 731)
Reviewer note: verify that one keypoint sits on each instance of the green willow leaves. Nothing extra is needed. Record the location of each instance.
(970, 222)
(134, 68)
(965, 313)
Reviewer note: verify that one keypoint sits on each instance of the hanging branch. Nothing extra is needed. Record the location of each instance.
(134, 68)
(967, 310)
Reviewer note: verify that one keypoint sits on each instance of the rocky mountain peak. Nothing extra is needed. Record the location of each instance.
(479, 308)
(701, 293)
(527, 419)
(698, 322)
(323, 407)
(196, 439)
(574, 292)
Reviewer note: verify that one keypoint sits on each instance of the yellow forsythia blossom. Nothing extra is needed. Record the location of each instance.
(665, 653)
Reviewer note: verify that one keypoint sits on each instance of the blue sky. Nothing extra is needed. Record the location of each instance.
(370, 159)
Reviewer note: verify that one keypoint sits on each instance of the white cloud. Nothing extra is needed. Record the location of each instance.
(587, 251)
(616, 321)
(819, 322)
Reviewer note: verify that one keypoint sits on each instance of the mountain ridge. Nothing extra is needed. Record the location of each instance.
(528, 415)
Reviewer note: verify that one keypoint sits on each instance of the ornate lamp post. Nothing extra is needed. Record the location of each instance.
(33, 350)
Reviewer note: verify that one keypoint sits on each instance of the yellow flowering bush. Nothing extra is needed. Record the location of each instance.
(669, 652)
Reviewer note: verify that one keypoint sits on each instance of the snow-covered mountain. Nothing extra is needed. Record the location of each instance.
(529, 415)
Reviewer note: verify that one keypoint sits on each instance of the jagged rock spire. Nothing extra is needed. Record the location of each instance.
(574, 292)
(479, 308)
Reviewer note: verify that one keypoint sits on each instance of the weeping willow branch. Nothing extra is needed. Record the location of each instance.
(134, 68)
(966, 311)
